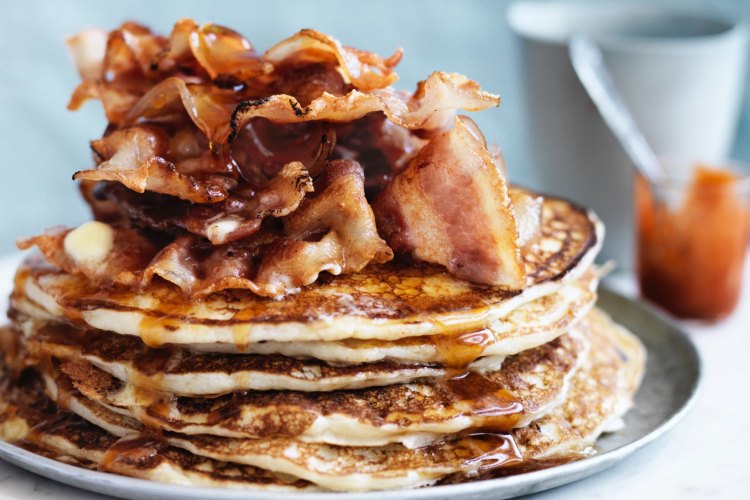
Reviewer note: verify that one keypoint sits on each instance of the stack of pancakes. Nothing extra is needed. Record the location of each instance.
(397, 376)
(302, 278)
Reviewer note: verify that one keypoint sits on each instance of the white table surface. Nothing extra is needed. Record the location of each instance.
(705, 457)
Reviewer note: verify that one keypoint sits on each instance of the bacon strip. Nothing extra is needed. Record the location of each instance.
(219, 51)
(441, 92)
(242, 170)
(334, 231)
(88, 49)
(381, 147)
(130, 253)
(239, 218)
(451, 207)
(135, 158)
(341, 225)
(117, 69)
(365, 70)
(208, 107)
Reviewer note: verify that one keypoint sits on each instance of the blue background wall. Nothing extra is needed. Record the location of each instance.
(41, 144)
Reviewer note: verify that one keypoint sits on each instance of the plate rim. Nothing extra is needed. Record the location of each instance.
(114, 484)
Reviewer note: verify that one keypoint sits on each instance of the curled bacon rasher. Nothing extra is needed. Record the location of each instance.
(334, 232)
(129, 253)
(439, 93)
(451, 207)
(135, 157)
(217, 50)
(364, 70)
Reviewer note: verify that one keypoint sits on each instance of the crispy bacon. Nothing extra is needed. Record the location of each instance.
(224, 168)
(130, 51)
(263, 148)
(334, 231)
(116, 71)
(88, 49)
(130, 253)
(117, 98)
(426, 109)
(382, 148)
(365, 70)
(209, 108)
(199, 268)
(104, 210)
(241, 217)
(219, 51)
(135, 158)
(451, 207)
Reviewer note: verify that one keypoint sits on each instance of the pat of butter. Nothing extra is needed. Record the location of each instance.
(90, 242)
(219, 230)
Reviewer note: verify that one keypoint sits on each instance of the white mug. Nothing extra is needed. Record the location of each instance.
(682, 75)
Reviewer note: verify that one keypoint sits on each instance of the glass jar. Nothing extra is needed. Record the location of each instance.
(692, 238)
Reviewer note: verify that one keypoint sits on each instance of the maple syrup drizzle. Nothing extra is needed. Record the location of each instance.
(38, 432)
(145, 383)
(240, 334)
(141, 450)
(490, 451)
(450, 324)
(155, 326)
(225, 411)
(459, 351)
(494, 409)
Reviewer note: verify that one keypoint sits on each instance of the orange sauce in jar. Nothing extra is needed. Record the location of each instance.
(692, 241)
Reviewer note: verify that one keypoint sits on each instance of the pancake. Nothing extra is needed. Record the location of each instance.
(526, 327)
(528, 386)
(385, 302)
(601, 390)
(359, 468)
(184, 373)
(32, 421)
